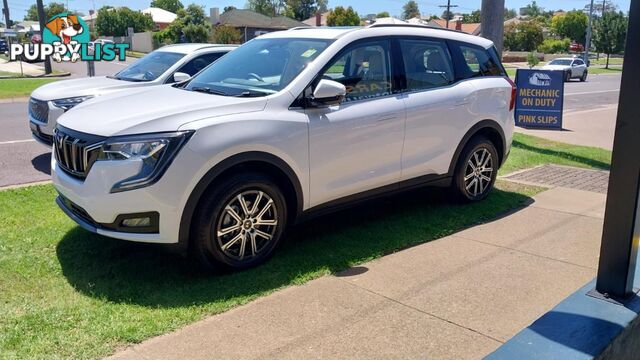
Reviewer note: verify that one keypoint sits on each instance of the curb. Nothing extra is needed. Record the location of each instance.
(18, 186)
(44, 76)
(14, 100)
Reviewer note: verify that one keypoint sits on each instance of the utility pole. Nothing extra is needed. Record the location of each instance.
(43, 21)
(448, 6)
(5, 10)
(587, 44)
(492, 22)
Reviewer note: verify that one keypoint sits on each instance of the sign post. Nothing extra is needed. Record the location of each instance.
(539, 100)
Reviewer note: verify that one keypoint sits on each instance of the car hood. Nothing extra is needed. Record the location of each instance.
(152, 109)
(555, 67)
(97, 85)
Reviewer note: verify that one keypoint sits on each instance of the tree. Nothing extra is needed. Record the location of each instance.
(410, 10)
(169, 5)
(51, 10)
(573, 25)
(610, 33)
(532, 9)
(264, 7)
(300, 9)
(322, 6)
(509, 13)
(609, 6)
(525, 36)
(343, 17)
(114, 22)
(447, 15)
(228, 8)
(223, 34)
(472, 18)
(190, 25)
(384, 14)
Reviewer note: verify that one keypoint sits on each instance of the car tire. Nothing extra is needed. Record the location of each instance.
(583, 78)
(567, 76)
(229, 235)
(476, 170)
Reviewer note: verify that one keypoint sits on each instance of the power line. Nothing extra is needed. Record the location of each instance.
(448, 6)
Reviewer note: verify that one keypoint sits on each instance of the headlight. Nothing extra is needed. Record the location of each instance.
(154, 152)
(68, 103)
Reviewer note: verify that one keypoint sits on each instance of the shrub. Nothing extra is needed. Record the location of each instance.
(532, 59)
(223, 34)
(554, 46)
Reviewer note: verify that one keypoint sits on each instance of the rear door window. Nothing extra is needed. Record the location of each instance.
(474, 61)
(427, 63)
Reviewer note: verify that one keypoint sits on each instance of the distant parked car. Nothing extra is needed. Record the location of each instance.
(4, 47)
(576, 47)
(572, 67)
(102, 42)
(169, 64)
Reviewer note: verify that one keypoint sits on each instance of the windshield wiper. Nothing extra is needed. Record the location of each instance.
(251, 93)
(126, 79)
(208, 90)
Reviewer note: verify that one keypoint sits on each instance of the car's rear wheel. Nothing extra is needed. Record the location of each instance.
(476, 170)
(583, 78)
(239, 224)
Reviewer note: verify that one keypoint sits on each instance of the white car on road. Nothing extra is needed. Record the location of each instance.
(289, 125)
(572, 68)
(166, 65)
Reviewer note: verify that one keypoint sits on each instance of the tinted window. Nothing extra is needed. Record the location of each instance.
(427, 64)
(560, 62)
(364, 69)
(579, 62)
(198, 63)
(476, 61)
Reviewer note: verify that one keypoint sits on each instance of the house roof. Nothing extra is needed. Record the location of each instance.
(248, 18)
(473, 28)
(160, 15)
(312, 20)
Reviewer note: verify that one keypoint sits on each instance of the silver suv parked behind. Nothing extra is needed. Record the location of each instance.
(166, 65)
(287, 126)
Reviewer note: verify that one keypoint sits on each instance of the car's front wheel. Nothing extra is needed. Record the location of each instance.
(239, 223)
(583, 78)
(476, 170)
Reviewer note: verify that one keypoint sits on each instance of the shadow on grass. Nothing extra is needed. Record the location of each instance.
(562, 154)
(143, 274)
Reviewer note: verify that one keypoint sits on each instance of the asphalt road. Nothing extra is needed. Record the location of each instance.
(79, 69)
(22, 160)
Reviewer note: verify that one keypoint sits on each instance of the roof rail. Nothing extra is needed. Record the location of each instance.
(374, 25)
(299, 28)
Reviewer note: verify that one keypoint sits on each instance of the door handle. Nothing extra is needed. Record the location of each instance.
(385, 118)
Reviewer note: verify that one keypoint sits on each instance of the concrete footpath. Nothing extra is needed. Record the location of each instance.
(459, 297)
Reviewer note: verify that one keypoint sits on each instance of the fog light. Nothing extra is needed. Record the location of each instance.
(137, 222)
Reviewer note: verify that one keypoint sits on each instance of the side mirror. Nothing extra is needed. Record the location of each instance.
(327, 93)
(180, 77)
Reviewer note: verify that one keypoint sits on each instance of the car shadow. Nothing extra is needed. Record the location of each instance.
(42, 163)
(144, 274)
(583, 160)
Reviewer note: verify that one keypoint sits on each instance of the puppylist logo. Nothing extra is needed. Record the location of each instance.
(66, 38)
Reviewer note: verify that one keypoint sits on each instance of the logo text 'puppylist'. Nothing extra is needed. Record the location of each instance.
(66, 38)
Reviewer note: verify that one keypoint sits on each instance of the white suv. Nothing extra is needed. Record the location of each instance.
(287, 125)
(166, 65)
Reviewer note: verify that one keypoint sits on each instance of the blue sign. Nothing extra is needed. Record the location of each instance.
(539, 99)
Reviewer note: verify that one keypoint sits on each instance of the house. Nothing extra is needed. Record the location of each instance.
(27, 27)
(473, 28)
(161, 17)
(250, 23)
(320, 19)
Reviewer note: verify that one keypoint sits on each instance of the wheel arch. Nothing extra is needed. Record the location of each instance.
(248, 161)
(489, 128)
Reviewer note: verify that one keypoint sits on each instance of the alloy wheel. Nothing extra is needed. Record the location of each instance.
(247, 225)
(478, 172)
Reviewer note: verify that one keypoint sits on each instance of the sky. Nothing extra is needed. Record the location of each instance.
(18, 8)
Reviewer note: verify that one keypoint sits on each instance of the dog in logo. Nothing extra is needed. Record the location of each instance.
(65, 27)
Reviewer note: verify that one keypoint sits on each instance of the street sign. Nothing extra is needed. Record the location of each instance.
(10, 33)
(539, 100)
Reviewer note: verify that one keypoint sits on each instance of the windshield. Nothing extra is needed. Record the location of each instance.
(149, 67)
(258, 68)
(560, 62)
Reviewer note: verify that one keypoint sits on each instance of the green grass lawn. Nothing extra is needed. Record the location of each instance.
(10, 88)
(135, 54)
(603, 61)
(66, 293)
